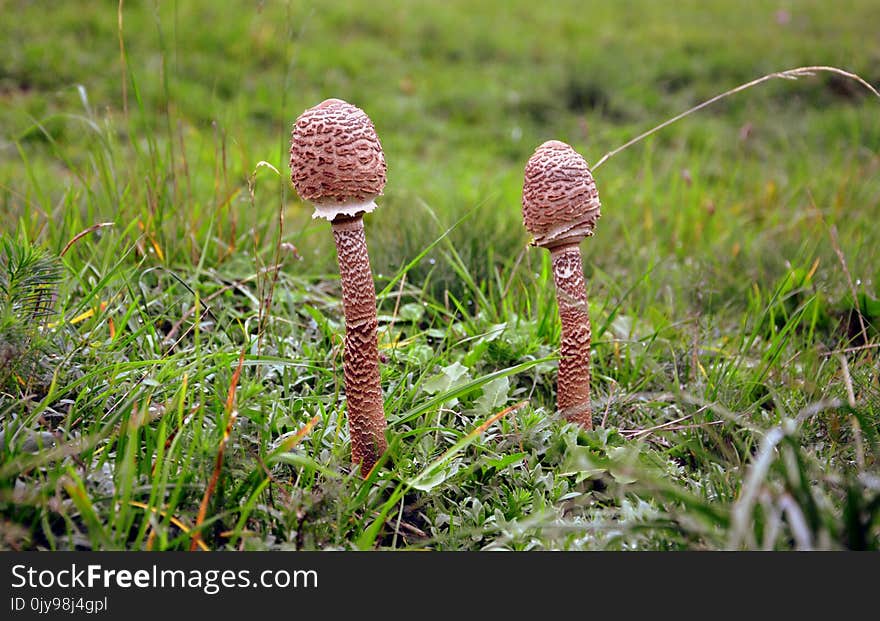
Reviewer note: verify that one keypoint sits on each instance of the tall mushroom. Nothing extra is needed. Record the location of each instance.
(336, 162)
(560, 207)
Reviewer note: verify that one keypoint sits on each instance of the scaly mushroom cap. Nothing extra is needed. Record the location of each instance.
(336, 160)
(560, 203)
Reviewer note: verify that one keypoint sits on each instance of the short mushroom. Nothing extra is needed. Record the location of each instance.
(560, 207)
(336, 163)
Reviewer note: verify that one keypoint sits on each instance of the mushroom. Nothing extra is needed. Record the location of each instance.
(560, 207)
(336, 163)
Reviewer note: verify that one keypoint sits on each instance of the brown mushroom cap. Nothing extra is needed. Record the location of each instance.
(560, 202)
(336, 159)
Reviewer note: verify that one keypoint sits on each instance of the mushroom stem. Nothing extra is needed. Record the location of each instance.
(573, 382)
(360, 357)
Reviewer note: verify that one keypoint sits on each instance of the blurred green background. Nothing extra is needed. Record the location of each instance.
(461, 93)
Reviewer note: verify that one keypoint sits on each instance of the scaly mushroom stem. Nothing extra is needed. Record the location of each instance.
(573, 382)
(360, 358)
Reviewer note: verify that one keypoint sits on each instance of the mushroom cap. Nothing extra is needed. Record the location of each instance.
(560, 202)
(336, 159)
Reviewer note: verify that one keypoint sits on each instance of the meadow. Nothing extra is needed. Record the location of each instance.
(171, 326)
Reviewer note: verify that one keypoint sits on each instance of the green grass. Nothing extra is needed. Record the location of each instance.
(730, 277)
